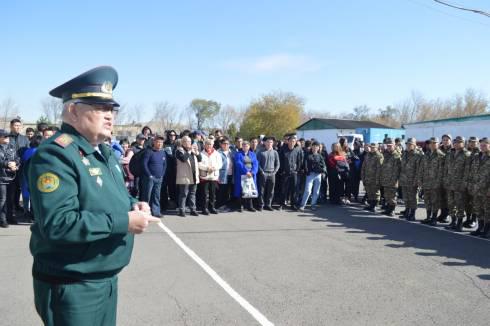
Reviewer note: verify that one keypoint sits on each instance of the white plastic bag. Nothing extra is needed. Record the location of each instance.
(248, 187)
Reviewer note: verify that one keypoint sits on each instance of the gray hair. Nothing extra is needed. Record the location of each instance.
(64, 112)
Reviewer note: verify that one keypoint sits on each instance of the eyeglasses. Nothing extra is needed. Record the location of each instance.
(172, 135)
(225, 143)
(100, 107)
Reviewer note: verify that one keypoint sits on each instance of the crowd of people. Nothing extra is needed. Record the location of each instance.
(206, 172)
(196, 173)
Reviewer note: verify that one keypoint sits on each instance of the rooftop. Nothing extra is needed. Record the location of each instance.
(319, 123)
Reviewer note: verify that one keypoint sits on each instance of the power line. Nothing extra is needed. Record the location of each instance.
(443, 12)
(476, 11)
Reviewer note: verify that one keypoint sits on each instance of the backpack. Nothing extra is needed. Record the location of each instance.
(136, 163)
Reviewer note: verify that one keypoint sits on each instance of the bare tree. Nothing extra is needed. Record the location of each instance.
(121, 117)
(226, 116)
(165, 116)
(8, 110)
(52, 108)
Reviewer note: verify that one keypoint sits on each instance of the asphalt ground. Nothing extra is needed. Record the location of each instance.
(335, 266)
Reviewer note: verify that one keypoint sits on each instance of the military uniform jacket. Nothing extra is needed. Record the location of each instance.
(410, 168)
(81, 209)
(390, 171)
(481, 170)
(371, 168)
(431, 170)
(455, 167)
(471, 169)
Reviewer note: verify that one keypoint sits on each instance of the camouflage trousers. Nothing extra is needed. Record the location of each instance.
(456, 203)
(410, 197)
(372, 191)
(443, 198)
(486, 214)
(478, 205)
(390, 196)
(432, 199)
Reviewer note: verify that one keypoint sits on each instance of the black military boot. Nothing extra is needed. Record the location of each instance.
(486, 232)
(443, 217)
(433, 220)
(405, 213)
(470, 222)
(372, 206)
(452, 225)
(368, 205)
(479, 230)
(428, 218)
(389, 211)
(411, 215)
(459, 225)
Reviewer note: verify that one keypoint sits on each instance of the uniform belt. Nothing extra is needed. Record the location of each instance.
(55, 280)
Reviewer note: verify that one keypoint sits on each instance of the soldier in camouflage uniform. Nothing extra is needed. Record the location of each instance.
(409, 178)
(430, 175)
(455, 167)
(390, 172)
(479, 186)
(474, 150)
(445, 147)
(370, 175)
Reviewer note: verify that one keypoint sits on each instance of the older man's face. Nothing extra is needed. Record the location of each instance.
(94, 121)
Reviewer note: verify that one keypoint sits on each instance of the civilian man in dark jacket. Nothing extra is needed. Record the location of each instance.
(9, 164)
(20, 143)
(154, 166)
(291, 161)
(268, 166)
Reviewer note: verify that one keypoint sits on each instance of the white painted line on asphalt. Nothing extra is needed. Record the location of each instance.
(237, 297)
(423, 225)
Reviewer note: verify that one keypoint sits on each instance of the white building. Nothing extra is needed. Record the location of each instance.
(478, 125)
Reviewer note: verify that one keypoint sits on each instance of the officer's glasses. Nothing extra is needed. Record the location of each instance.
(102, 108)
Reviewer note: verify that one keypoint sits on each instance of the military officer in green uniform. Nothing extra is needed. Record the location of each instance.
(84, 218)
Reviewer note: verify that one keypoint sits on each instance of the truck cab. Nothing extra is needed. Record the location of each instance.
(351, 139)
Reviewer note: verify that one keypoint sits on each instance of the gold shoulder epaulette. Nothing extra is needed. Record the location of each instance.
(63, 140)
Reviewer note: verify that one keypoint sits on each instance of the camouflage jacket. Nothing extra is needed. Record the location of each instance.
(480, 182)
(431, 170)
(390, 171)
(410, 168)
(469, 173)
(371, 168)
(455, 167)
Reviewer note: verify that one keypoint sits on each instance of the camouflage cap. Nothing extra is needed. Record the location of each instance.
(434, 140)
(447, 135)
(473, 139)
(412, 141)
(389, 141)
(375, 145)
(484, 140)
(459, 139)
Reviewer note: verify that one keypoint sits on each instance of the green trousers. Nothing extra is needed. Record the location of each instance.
(90, 303)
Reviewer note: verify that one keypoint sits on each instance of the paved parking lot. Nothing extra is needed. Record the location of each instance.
(335, 266)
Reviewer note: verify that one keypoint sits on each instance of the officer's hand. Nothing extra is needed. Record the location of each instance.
(142, 206)
(12, 166)
(138, 221)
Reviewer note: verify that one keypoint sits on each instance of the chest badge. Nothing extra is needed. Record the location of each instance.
(99, 181)
(85, 161)
(95, 171)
